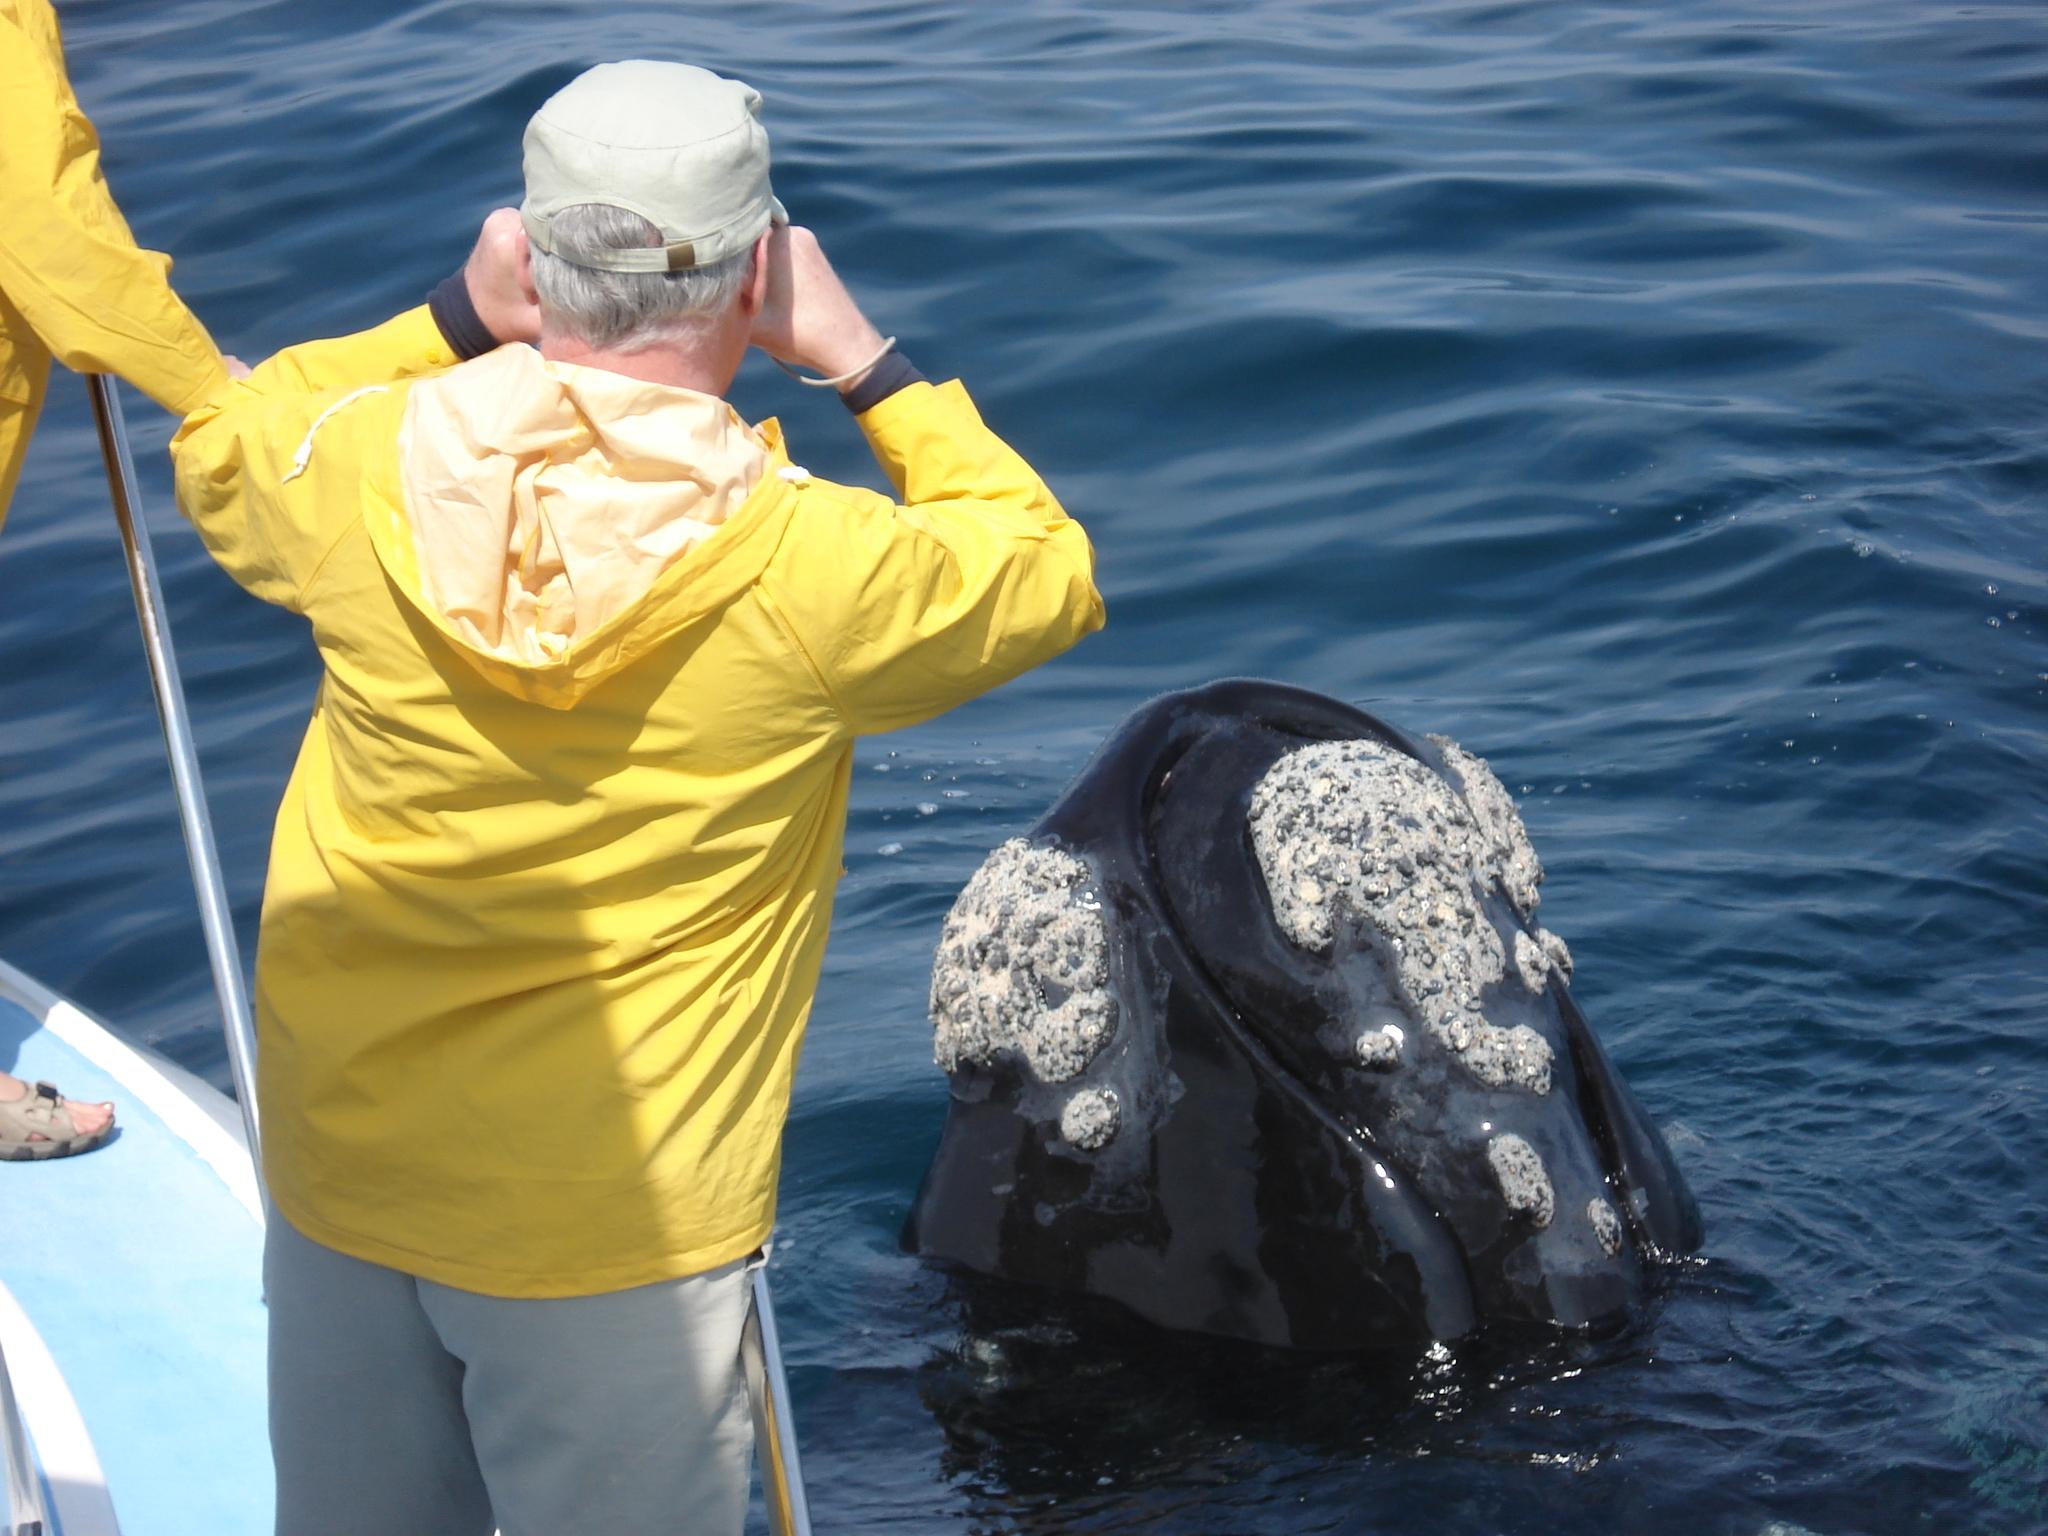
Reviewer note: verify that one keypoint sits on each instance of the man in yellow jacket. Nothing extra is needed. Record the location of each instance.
(72, 283)
(550, 882)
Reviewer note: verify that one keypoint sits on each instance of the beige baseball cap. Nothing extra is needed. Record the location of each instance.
(678, 145)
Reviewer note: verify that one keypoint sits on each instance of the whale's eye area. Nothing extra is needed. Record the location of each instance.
(1023, 966)
(1358, 841)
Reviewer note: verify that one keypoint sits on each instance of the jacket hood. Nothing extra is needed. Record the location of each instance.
(556, 521)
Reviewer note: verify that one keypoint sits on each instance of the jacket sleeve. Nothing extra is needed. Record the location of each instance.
(269, 468)
(67, 260)
(979, 575)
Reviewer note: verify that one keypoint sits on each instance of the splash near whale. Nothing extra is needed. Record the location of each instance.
(1256, 1032)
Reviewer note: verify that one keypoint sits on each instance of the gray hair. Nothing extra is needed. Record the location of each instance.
(627, 311)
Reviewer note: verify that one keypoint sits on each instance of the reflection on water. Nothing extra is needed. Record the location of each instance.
(1056, 1411)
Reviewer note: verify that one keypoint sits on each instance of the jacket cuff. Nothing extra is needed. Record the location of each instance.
(893, 372)
(210, 382)
(455, 313)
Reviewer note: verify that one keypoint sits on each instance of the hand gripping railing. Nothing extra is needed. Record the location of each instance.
(782, 1486)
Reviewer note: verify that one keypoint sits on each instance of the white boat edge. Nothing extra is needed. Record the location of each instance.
(64, 1456)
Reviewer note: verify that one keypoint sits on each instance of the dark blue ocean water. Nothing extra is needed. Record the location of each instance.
(1653, 397)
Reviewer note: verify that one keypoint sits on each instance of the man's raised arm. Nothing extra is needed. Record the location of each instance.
(979, 575)
(241, 457)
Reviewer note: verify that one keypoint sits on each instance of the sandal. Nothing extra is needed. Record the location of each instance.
(38, 1124)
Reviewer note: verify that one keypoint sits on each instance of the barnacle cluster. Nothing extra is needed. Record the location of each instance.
(1023, 965)
(1524, 1183)
(1359, 831)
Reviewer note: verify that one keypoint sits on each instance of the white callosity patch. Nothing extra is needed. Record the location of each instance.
(1606, 1225)
(1513, 867)
(1554, 951)
(1523, 1182)
(1023, 964)
(1379, 1050)
(1358, 830)
(1536, 958)
(1090, 1118)
(1498, 1057)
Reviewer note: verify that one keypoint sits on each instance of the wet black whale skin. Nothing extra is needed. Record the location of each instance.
(1260, 1185)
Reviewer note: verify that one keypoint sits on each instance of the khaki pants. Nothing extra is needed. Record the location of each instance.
(401, 1406)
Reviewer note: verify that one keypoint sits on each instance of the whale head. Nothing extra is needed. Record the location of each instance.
(1257, 1033)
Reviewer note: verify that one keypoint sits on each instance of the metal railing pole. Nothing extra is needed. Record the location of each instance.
(214, 916)
(782, 1477)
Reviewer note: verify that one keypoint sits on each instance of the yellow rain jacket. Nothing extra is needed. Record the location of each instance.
(550, 882)
(71, 279)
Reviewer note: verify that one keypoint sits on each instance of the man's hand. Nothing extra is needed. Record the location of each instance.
(806, 317)
(237, 369)
(499, 275)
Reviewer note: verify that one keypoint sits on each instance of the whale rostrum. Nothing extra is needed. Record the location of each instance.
(1256, 1033)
